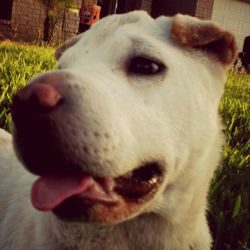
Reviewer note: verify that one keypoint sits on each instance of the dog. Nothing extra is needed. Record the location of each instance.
(120, 140)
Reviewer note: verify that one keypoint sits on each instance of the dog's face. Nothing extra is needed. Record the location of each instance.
(131, 103)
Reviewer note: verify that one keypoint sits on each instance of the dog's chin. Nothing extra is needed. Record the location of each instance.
(128, 197)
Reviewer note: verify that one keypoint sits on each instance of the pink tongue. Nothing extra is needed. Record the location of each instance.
(48, 192)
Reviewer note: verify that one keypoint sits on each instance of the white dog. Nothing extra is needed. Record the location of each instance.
(124, 138)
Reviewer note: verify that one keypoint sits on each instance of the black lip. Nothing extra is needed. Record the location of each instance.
(140, 181)
(74, 209)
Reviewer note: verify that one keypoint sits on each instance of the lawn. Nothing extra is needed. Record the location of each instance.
(18, 64)
(229, 210)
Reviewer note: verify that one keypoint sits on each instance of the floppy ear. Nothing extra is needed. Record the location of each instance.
(206, 35)
(69, 43)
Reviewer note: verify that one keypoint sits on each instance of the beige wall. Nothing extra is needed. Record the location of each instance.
(234, 15)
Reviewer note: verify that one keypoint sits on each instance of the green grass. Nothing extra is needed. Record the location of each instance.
(229, 213)
(18, 64)
(230, 193)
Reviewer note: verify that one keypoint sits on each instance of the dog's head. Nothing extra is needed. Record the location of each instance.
(131, 102)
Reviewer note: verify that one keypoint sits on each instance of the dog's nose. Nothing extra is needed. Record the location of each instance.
(37, 98)
(34, 109)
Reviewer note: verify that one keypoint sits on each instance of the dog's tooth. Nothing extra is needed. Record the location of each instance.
(153, 180)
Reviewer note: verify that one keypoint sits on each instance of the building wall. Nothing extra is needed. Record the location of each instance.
(28, 16)
(204, 9)
(146, 5)
(234, 15)
(171, 7)
(199, 8)
(27, 19)
(27, 22)
(231, 14)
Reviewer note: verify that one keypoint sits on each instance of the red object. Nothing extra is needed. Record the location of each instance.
(89, 14)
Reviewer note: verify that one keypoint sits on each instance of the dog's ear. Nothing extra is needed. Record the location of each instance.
(69, 43)
(206, 35)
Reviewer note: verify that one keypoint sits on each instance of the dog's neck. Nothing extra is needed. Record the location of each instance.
(95, 237)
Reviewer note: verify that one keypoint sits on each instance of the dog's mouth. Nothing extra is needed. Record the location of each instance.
(107, 200)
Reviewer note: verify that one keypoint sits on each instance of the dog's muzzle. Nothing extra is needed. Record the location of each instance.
(64, 187)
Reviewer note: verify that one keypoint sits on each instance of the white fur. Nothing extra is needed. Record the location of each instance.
(170, 116)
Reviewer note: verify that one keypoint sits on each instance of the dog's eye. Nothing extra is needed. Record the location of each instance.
(145, 66)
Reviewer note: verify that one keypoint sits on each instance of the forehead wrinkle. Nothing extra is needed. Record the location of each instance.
(124, 41)
(107, 26)
(144, 47)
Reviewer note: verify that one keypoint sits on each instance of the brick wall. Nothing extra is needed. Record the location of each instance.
(204, 9)
(71, 25)
(27, 19)
(6, 31)
(27, 22)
